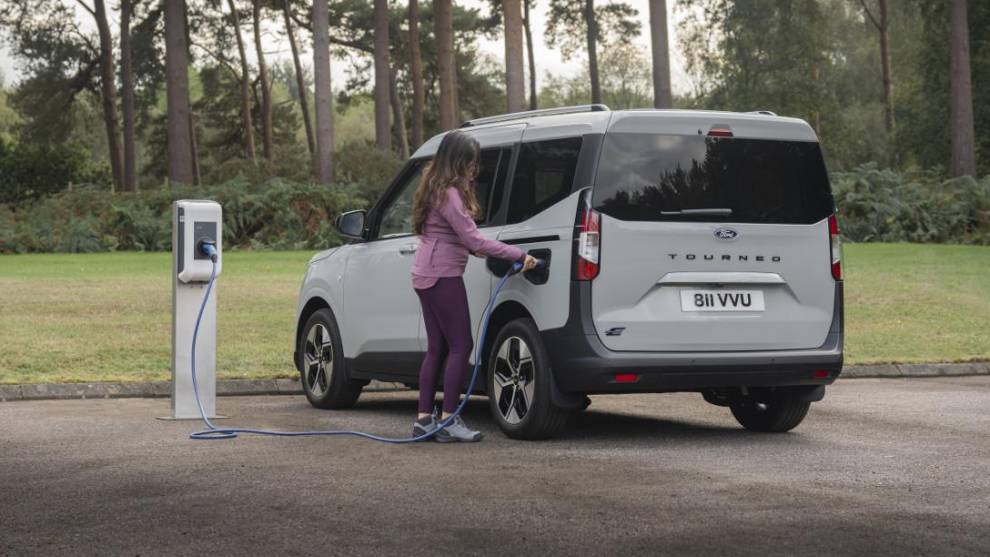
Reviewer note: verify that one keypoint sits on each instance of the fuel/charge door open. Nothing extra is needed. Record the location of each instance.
(540, 275)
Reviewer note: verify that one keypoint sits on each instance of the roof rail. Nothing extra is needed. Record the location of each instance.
(535, 113)
(763, 112)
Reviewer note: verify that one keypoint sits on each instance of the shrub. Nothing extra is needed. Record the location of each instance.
(883, 206)
(370, 168)
(30, 172)
(275, 215)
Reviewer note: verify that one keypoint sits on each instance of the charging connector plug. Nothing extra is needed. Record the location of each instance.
(208, 248)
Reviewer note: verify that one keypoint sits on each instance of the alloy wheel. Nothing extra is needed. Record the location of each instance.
(514, 380)
(318, 360)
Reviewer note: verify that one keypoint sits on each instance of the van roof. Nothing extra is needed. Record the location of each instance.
(585, 119)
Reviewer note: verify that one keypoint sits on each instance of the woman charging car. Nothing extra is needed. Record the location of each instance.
(444, 212)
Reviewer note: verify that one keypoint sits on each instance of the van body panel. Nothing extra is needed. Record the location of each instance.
(551, 229)
(712, 243)
(788, 263)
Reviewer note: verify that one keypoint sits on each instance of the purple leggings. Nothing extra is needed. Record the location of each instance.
(448, 334)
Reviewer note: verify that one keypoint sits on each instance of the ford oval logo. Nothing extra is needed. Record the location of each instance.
(726, 234)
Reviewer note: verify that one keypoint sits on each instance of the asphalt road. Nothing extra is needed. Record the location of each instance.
(886, 466)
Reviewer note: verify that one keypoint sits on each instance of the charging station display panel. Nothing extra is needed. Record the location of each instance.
(198, 222)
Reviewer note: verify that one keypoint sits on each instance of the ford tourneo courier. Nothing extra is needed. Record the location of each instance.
(687, 251)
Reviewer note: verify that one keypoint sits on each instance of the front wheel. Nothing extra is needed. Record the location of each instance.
(324, 377)
(519, 387)
(774, 414)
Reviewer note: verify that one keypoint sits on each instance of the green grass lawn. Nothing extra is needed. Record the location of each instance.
(106, 317)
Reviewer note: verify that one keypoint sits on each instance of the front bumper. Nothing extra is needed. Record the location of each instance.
(583, 365)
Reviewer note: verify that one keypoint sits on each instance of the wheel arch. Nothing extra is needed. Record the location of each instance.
(314, 304)
(506, 311)
(510, 310)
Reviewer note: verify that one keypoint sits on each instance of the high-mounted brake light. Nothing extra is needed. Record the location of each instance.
(720, 131)
(587, 231)
(836, 246)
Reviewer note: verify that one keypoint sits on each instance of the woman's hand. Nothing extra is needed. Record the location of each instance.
(529, 263)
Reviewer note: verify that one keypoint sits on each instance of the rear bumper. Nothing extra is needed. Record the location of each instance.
(582, 364)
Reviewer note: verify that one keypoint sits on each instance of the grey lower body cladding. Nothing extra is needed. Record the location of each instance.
(582, 364)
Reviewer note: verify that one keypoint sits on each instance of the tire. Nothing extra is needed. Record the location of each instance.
(519, 384)
(323, 372)
(776, 414)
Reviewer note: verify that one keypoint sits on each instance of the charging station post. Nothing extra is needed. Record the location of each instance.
(193, 224)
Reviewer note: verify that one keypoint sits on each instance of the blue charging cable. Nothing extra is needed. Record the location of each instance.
(215, 432)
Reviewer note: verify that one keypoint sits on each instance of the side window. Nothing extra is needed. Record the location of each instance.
(397, 213)
(489, 184)
(544, 175)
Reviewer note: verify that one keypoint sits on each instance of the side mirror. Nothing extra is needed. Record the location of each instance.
(351, 224)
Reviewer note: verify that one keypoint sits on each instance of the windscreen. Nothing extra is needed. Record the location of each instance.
(655, 177)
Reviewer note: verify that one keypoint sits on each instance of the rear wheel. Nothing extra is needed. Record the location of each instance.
(519, 387)
(323, 373)
(777, 413)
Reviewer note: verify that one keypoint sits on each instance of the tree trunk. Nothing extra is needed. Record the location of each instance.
(533, 103)
(300, 79)
(962, 125)
(416, 71)
(180, 166)
(266, 91)
(127, 96)
(515, 80)
(444, 35)
(662, 97)
(888, 82)
(397, 117)
(193, 142)
(882, 24)
(108, 92)
(323, 95)
(455, 88)
(194, 150)
(591, 25)
(383, 134)
(245, 84)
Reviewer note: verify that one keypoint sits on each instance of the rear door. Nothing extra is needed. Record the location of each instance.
(712, 242)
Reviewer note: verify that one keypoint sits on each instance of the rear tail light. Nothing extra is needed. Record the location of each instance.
(588, 251)
(836, 247)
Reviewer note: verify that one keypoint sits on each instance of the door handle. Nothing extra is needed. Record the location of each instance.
(408, 249)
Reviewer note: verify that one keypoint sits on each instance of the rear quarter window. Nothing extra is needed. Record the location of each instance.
(544, 175)
(656, 177)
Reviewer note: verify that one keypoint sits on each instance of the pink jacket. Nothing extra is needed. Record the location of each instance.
(449, 236)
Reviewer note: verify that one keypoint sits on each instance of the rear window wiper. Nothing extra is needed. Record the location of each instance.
(718, 212)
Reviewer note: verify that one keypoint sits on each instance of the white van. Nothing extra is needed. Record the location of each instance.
(688, 251)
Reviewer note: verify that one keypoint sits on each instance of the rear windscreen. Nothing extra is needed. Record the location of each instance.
(653, 177)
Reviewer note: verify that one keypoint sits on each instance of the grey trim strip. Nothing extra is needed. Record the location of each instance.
(531, 239)
(161, 389)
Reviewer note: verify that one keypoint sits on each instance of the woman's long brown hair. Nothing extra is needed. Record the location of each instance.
(456, 164)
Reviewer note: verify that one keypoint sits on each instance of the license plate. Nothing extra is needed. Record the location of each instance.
(721, 300)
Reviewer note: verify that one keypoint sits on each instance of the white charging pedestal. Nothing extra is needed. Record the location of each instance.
(193, 222)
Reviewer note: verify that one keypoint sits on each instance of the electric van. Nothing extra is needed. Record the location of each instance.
(686, 251)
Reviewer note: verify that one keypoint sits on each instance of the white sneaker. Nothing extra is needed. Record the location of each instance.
(457, 432)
